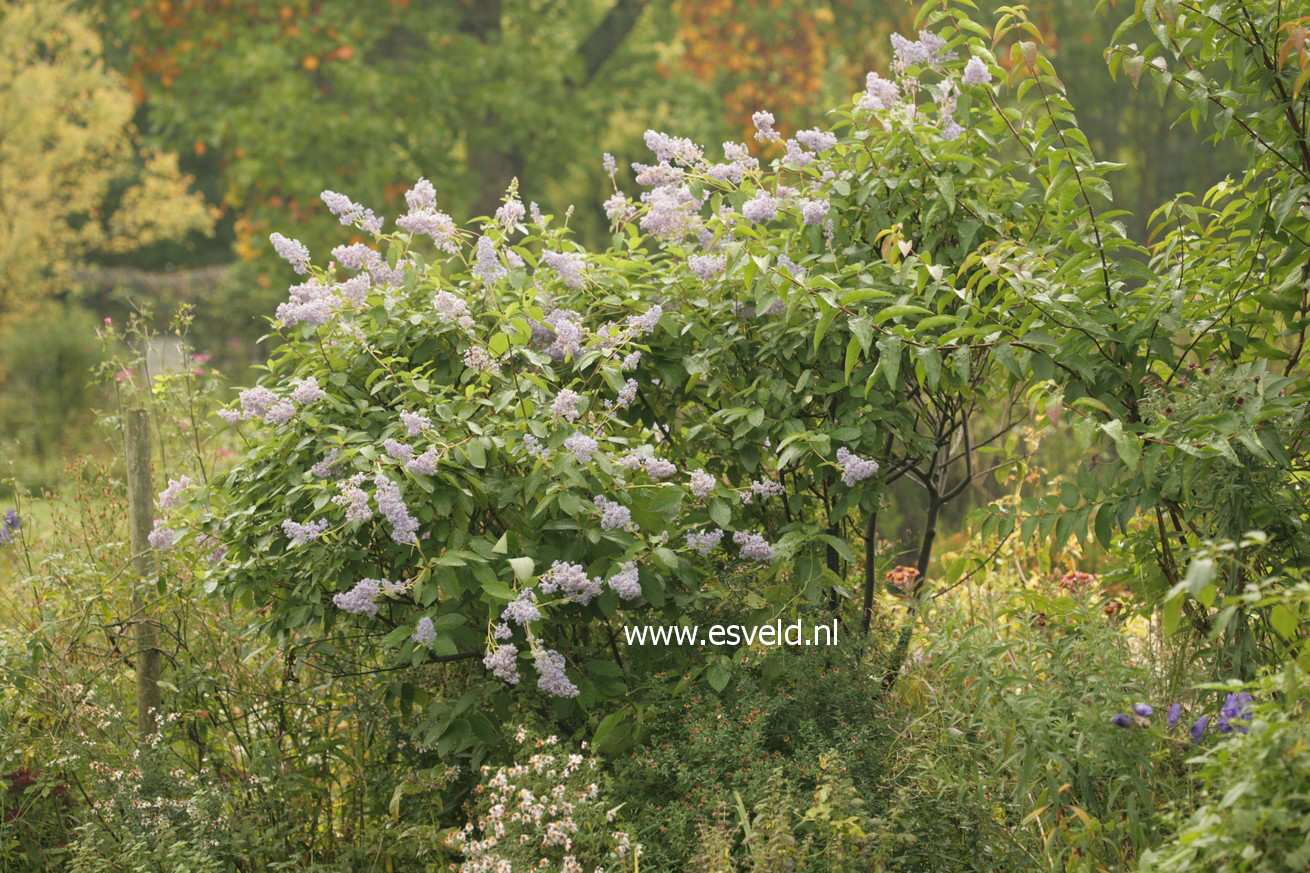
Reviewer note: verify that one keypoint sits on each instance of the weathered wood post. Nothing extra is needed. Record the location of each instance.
(140, 504)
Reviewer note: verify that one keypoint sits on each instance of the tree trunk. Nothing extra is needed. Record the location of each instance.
(140, 503)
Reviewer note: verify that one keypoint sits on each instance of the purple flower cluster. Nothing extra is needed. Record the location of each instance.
(292, 251)
(702, 483)
(928, 50)
(172, 495)
(1235, 712)
(976, 73)
(764, 131)
(760, 208)
(451, 309)
(477, 358)
(392, 507)
(550, 674)
(162, 537)
(581, 446)
(350, 212)
(425, 634)
(503, 663)
(310, 303)
(626, 582)
(510, 213)
(360, 600)
(1233, 716)
(571, 266)
(612, 515)
(299, 534)
(879, 94)
(436, 224)
(855, 469)
(415, 423)
(488, 268)
(572, 581)
(753, 546)
(672, 212)
(706, 542)
(535, 448)
(814, 211)
(307, 392)
(523, 609)
(11, 523)
(565, 405)
(354, 499)
(706, 267)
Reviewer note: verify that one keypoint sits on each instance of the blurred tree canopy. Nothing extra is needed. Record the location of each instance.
(74, 180)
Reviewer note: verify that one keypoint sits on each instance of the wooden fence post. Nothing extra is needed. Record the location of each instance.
(140, 505)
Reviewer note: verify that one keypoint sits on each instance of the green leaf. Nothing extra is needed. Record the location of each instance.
(1283, 620)
(524, 569)
(889, 361)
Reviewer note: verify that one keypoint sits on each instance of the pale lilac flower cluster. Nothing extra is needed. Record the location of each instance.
(674, 148)
(817, 141)
(706, 267)
(299, 534)
(612, 515)
(172, 495)
(523, 609)
(327, 467)
(640, 325)
(565, 404)
(360, 600)
(672, 212)
(976, 72)
(753, 546)
(928, 50)
(760, 208)
(763, 489)
(814, 211)
(397, 450)
(550, 674)
(354, 499)
(571, 266)
(572, 581)
(879, 94)
(392, 507)
(425, 634)
(421, 196)
(611, 166)
(702, 483)
(764, 131)
(581, 446)
(660, 468)
(626, 582)
(451, 309)
(292, 251)
(631, 362)
(855, 469)
(436, 224)
(425, 463)
(510, 214)
(562, 334)
(162, 537)
(307, 392)
(415, 423)
(488, 268)
(706, 542)
(738, 161)
(626, 396)
(535, 448)
(619, 209)
(259, 402)
(477, 358)
(310, 303)
(350, 212)
(503, 663)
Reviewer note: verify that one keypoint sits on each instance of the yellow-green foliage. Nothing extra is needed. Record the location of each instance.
(74, 179)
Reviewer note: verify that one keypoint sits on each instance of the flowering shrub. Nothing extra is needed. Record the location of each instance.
(549, 811)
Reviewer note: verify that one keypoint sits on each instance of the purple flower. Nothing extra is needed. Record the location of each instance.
(581, 446)
(646, 322)
(816, 140)
(488, 268)
(879, 93)
(1144, 710)
(425, 634)
(612, 515)
(1236, 709)
(415, 423)
(510, 213)
(625, 582)
(522, 609)
(311, 303)
(425, 463)
(571, 266)
(704, 543)
(572, 580)
(436, 224)
(299, 534)
(307, 392)
(1123, 720)
(535, 448)
(702, 483)
(451, 309)
(1198, 728)
(764, 131)
(292, 251)
(706, 267)
(354, 499)
(753, 546)
(392, 507)
(360, 600)
(762, 207)
(814, 211)
(503, 663)
(1174, 714)
(976, 73)
(550, 674)
(565, 404)
(168, 498)
(421, 196)
(855, 469)
(12, 520)
(673, 148)
(672, 212)
(611, 166)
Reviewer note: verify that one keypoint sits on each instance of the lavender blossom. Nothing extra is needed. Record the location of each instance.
(814, 211)
(581, 446)
(327, 467)
(415, 423)
(437, 225)
(879, 94)
(392, 507)
(572, 581)
(360, 600)
(672, 212)
(170, 496)
(426, 463)
(425, 634)
(510, 213)
(307, 392)
(311, 303)
(706, 267)
(421, 196)
(523, 609)
(760, 208)
(764, 131)
(162, 537)
(503, 663)
(631, 362)
(854, 468)
(753, 546)
(571, 266)
(535, 448)
(702, 483)
(292, 251)
(488, 268)
(451, 309)
(612, 515)
(299, 534)
(354, 499)
(817, 141)
(281, 412)
(640, 325)
(704, 543)
(477, 358)
(626, 582)
(976, 73)
(550, 674)
(565, 404)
